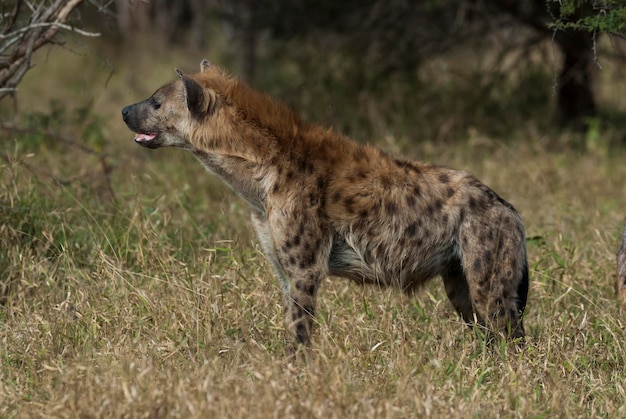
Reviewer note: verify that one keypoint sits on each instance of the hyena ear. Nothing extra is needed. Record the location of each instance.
(204, 65)
(198, 100)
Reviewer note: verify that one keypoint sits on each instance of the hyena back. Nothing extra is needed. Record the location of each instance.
(324, 205)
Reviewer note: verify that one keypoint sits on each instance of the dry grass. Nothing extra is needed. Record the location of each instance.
(159, 304)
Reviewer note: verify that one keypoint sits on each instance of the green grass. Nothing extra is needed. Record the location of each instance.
(132, 286)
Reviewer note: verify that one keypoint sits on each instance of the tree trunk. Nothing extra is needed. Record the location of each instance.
(620, 286)
(575, 98)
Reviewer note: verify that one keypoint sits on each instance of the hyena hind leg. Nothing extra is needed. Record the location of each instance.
(498, 301)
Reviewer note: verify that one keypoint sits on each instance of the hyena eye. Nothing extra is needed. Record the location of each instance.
(155, 104)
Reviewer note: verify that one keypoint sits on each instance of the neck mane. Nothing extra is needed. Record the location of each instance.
(262, 111)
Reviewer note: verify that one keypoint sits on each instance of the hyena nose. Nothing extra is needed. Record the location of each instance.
(125, 112)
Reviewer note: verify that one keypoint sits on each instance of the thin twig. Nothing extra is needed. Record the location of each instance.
(47, 25)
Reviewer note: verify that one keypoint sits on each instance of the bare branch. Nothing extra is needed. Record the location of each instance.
(27, 28)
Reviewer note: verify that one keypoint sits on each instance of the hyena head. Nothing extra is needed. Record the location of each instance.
(172, 114)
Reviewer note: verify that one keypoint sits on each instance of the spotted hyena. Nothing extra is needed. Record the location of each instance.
(323, 205)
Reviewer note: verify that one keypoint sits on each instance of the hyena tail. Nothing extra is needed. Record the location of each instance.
(522, 297)
(522, 288)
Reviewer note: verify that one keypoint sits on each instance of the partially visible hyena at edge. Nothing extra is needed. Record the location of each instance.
(323, 205)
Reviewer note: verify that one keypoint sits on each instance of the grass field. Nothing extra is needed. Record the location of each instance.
(132, 285)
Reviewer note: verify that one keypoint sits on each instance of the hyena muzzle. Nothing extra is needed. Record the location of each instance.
(323, 205)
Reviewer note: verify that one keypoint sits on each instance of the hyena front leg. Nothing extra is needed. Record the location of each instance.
(262, 227)
(300, 249)
(299, 307)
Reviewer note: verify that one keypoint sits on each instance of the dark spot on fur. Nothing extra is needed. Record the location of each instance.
(292, 260)
(310, 290)
(309, 310)
(472, 202)
(391, 208)
(336, 197)
(415, 169)
(411, 230)
(288, 244)
(488, 258)
(290, 175)
(361, 175)
(296, 241)
(321, 182)
(301, 334)
(410, 200)
(363, 213)
(449, 192)
(444, 218)
(477, 265)
(444, 178)
(275, 188)
(349, 204)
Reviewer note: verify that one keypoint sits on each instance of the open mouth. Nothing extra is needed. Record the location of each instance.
(144, 138)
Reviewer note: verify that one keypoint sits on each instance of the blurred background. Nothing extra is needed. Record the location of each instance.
(413, 71)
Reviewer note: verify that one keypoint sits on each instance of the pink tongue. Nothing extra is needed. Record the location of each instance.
(144, 137)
